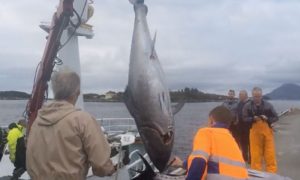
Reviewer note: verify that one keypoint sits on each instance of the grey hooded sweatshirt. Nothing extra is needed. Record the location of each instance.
(64, 142)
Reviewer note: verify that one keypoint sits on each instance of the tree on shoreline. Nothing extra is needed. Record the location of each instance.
(186, 94)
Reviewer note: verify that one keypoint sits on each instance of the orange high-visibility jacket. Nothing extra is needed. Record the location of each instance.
(222, 155)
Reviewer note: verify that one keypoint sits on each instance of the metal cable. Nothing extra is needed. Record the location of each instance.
(76, 27)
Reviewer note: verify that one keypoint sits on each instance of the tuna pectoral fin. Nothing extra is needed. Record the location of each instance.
(128, 99)
(148, 173)
(177, 107)
(153, 53)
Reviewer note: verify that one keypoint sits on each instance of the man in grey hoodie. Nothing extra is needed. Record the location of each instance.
(64, 141)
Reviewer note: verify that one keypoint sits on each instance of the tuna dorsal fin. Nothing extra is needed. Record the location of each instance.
(153, 54)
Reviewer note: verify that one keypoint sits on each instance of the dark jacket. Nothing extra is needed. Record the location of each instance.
(265, 108)
(239, 110)
(232, 106)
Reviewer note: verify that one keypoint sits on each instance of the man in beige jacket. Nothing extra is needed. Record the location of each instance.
(64, 141)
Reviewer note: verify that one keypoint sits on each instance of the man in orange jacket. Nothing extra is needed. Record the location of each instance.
(215, 153)
(261, 114)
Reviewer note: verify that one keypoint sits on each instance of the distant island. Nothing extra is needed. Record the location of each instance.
(13, 95)
(284, 92)
(287, 91)
(186, 94)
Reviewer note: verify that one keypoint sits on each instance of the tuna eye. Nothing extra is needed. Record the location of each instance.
(167, 138)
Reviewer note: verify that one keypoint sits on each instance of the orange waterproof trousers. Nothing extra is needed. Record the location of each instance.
(262, 147)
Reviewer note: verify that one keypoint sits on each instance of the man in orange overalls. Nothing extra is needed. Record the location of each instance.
(261, 114)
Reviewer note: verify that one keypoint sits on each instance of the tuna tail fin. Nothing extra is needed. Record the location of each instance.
(153, 53)
(136, 1)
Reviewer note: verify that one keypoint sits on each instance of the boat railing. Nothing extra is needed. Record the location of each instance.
(3, 126)
(117, 125)
(110, 125)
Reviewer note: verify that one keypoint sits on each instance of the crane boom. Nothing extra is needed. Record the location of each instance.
(59, 22)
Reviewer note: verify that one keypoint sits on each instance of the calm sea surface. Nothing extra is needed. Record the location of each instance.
(187, 121)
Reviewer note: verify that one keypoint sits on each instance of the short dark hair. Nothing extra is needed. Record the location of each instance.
(221, 114)
(12, 125)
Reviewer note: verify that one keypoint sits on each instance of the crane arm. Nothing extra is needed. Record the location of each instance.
(60, 21)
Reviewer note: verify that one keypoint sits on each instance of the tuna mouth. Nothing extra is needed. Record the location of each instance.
(159, 147)
(156, 133)
(167, 138)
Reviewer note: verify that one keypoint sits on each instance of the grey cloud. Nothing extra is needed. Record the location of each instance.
(16, 78)
(212, 45)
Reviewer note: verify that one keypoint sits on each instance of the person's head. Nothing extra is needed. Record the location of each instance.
(220, 114)
(65, 85)
(12, 125)
(243, 95)
(22, 122)
(231, 94)
(257, 95)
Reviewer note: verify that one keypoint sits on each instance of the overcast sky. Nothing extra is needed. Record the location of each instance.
(212, 45)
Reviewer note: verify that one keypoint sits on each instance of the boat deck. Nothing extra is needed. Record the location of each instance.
(287, 137)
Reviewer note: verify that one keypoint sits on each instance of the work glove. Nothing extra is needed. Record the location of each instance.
(264, 117)
(255, 118)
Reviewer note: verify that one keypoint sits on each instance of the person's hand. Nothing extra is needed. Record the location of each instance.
(176, 162)
(113, 170)
(256, 118)
(116, 167)
(264, 117)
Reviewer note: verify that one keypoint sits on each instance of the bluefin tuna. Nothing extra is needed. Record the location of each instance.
(147, 96)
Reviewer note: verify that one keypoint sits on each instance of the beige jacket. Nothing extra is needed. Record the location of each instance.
(64, 142)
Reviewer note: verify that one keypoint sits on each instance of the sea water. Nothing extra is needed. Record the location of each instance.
(187, 121)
